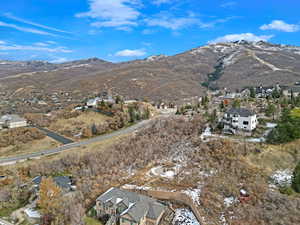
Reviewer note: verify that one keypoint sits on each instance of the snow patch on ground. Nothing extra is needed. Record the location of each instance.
(169, 173)
(132, 186)
(184, 217)
(231, 59)
(223, 220)
(229, 201)
(282, 177)
(194, 194)
(208, 173)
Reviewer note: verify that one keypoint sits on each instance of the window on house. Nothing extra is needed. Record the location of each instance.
(245, 122)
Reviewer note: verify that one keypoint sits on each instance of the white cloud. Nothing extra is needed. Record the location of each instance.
(45, 44)
(229, 4)
(26, 29)
(42, 44)
(51, 42)
(281, 26)
(60, 49)
(159, 2)
(244, 36)
(2, 42)
(169, 21)
(59, 60)
(131, 53)
(112, 13)
(10, 16)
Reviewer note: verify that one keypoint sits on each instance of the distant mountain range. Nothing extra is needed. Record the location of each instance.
(232, 65)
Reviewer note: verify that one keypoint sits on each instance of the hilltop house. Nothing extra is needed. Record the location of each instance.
(291, 90)
(239, 119)
(93, 102)
(129, 208)
(12, 121)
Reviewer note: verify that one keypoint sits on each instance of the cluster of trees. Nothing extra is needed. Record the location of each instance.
(57, 208)
(137, 113)
(19, 135)
(121, 118)
(287, 130)
(215, 75)
(118, 121)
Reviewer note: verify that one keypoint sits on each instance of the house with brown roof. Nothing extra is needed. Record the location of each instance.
(129, 208)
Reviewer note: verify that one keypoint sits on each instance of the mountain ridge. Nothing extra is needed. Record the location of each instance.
(231, 65)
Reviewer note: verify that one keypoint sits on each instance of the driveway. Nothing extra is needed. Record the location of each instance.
(55, 136)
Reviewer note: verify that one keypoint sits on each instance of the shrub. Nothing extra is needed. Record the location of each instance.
(296, 179)
(286, 190)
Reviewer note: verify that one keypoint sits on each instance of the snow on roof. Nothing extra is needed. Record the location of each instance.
(129, 207)
(119, 200)
(11, 118)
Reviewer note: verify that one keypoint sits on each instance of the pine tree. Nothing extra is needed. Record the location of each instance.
(296, 179)
(252, 92)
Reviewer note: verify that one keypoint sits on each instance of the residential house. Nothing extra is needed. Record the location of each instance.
(129, 208)
(262, 92)
(93, 102)
(64, 182)
(245, 93)
(239, 119)
(288, 91)
(12, 121)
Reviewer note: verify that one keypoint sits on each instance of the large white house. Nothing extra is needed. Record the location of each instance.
(239, 119)
(12, 121)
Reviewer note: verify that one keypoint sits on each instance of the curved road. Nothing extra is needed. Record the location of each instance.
(21, 158)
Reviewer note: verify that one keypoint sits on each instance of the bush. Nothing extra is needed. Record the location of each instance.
(296, 179)
(288, 129)
(286, 190)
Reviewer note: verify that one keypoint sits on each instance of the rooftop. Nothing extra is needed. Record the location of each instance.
(11, 118)
(241, 112)
(137, 206)
(63, 182)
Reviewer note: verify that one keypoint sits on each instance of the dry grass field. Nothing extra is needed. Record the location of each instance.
(32, 146)
(73, 126)
(274, 157)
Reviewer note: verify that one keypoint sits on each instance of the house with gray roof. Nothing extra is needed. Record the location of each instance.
(12, 121)
(239, 119)
(65, 183)
(129, 208)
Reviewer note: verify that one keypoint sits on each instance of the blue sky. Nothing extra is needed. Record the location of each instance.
(120, 30)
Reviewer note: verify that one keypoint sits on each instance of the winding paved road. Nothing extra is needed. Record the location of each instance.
(21, 158)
